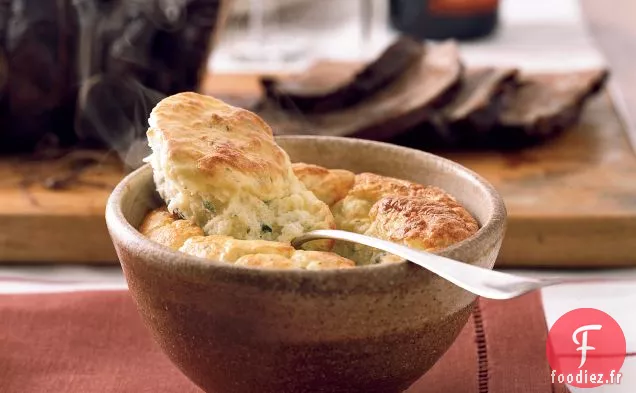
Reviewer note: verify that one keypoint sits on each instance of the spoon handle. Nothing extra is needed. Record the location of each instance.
(480, 281)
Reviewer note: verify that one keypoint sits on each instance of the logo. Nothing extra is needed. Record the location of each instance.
(586, 348)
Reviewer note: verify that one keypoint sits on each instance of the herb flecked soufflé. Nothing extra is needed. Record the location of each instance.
(232, 195)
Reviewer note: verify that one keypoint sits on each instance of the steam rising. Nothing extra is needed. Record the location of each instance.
(114, 110)
(113, 105)
(85, 73)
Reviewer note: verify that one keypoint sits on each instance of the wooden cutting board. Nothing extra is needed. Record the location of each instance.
(571, 203)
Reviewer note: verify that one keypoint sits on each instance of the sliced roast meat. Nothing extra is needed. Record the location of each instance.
(546, 104)
(479, 102)
(472, 113)
(430, 83)
(322, 90)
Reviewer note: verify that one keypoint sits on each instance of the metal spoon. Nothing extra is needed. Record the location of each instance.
(484, 282)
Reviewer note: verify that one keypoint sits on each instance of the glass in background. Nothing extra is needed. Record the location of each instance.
(265, 33)
(367, 13)
(264, 38)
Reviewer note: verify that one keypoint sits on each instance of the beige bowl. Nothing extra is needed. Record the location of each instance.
(370, 329)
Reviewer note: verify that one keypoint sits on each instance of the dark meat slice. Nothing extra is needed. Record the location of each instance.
(472, 113)
(479, 102)
(428, 84)
(321, 78)
(546, 104)
(317, 91)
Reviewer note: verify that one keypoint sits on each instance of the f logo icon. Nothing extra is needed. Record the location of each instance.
(583, 344)
(586, 348)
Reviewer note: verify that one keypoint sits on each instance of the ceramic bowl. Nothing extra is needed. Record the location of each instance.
(371, 329)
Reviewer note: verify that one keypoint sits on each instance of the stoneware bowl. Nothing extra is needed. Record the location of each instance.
(370, 329)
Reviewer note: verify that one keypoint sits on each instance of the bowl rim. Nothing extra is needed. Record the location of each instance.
(120, 228)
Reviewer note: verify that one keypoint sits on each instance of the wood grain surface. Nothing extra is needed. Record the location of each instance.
(38, 224)
(571, 203)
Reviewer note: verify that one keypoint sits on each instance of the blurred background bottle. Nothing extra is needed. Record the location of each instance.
(445, 19)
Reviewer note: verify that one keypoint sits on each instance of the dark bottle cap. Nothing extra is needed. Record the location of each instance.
(445, 19)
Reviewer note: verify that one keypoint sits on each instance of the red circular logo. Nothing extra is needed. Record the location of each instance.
(586, 348)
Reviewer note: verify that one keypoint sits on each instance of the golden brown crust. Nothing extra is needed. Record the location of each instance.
(162, 227)
(183, 235)
(352, 212)
(308, 260)
(422, 223)
(262, 253)
(271, 261)
(422, 217)
(216, 136)
(329, 185)
(371, 186)
(219, 166)
(319, 260)
(156, 218)
(228, 249)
